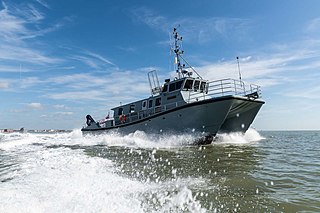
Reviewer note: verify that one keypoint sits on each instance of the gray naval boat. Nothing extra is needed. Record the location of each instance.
(186, 104)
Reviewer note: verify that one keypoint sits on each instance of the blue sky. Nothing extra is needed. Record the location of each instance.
(61, 60)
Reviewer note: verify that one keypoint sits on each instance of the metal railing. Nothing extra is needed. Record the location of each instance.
(226, 87)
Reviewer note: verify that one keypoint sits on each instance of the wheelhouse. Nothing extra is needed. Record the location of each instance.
(172, 94)
(186, 84)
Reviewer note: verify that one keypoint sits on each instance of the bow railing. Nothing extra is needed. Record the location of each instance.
(225, 87)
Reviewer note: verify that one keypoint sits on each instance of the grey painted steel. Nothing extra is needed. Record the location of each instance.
(231, 114)
(241, 115)
(206, 118)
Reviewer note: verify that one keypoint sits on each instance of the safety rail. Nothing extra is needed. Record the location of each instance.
(226, 87)
(131, 117)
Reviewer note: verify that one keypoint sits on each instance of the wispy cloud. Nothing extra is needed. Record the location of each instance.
(93, 60)
(78, 95)
(63, 113)
(25, 55)
(201, 29)
(312, 92)
(114, 87)
(35, 105)
(211, 28)
(31, 14)
(20, 24)
(274, 67)
(17, 22)
(43, 3)
(101, 58)
(29, 82)
(59, 106)
(127, 49)
(11, 26)
(149, 17)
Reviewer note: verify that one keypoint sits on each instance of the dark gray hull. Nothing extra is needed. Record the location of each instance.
(199, 118)
(241, 115)
(225, 114)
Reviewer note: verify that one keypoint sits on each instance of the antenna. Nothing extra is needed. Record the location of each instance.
(170, 51)
(239, 68)
(177, 51)
(178, 59)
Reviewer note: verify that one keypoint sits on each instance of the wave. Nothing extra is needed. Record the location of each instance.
(137, 139)
(59, 179)
(49, 176)
(250, 136)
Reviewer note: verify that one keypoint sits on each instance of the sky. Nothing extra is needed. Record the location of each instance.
(61, 60)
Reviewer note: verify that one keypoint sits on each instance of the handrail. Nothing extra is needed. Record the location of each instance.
(227, 86)
(148, 112)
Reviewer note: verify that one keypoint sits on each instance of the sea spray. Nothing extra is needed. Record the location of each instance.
(59, 172)
(250, 136)
(73, 173)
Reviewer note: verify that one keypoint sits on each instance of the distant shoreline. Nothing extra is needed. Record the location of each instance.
(22, 130)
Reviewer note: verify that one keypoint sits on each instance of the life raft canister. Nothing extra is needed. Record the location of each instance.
(123, 118)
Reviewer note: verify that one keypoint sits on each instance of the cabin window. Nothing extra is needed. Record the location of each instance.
(165, 88)
(188, 84)
(144, 105)
(178, 85)
(175, 86)
(172, 87)
(196, 85)
(171, 97)
(131, 108)
(158, 101)
(202, 86)
(150, 103)
(120, 111)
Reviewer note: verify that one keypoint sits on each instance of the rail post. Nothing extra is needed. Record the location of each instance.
(222, 88)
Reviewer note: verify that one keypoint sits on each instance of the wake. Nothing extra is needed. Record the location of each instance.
(137, 139)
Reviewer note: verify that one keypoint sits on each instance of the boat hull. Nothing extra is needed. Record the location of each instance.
(205, 117)
(241, 115)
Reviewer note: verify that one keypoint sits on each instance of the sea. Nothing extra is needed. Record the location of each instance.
(265, 171)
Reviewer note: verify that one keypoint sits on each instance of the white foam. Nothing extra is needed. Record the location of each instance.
(250, 136)
(14, 140)
(139, 139)
(180, 200)
(60, 179)
(136, 139)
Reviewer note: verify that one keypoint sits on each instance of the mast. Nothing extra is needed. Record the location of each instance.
(177, 52)
(181, 69)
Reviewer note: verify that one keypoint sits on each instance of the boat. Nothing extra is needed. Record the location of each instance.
(186, 104)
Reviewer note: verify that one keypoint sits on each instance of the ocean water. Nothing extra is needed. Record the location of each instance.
(255, 172)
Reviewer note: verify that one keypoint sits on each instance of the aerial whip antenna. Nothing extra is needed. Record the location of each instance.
(239, 68)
